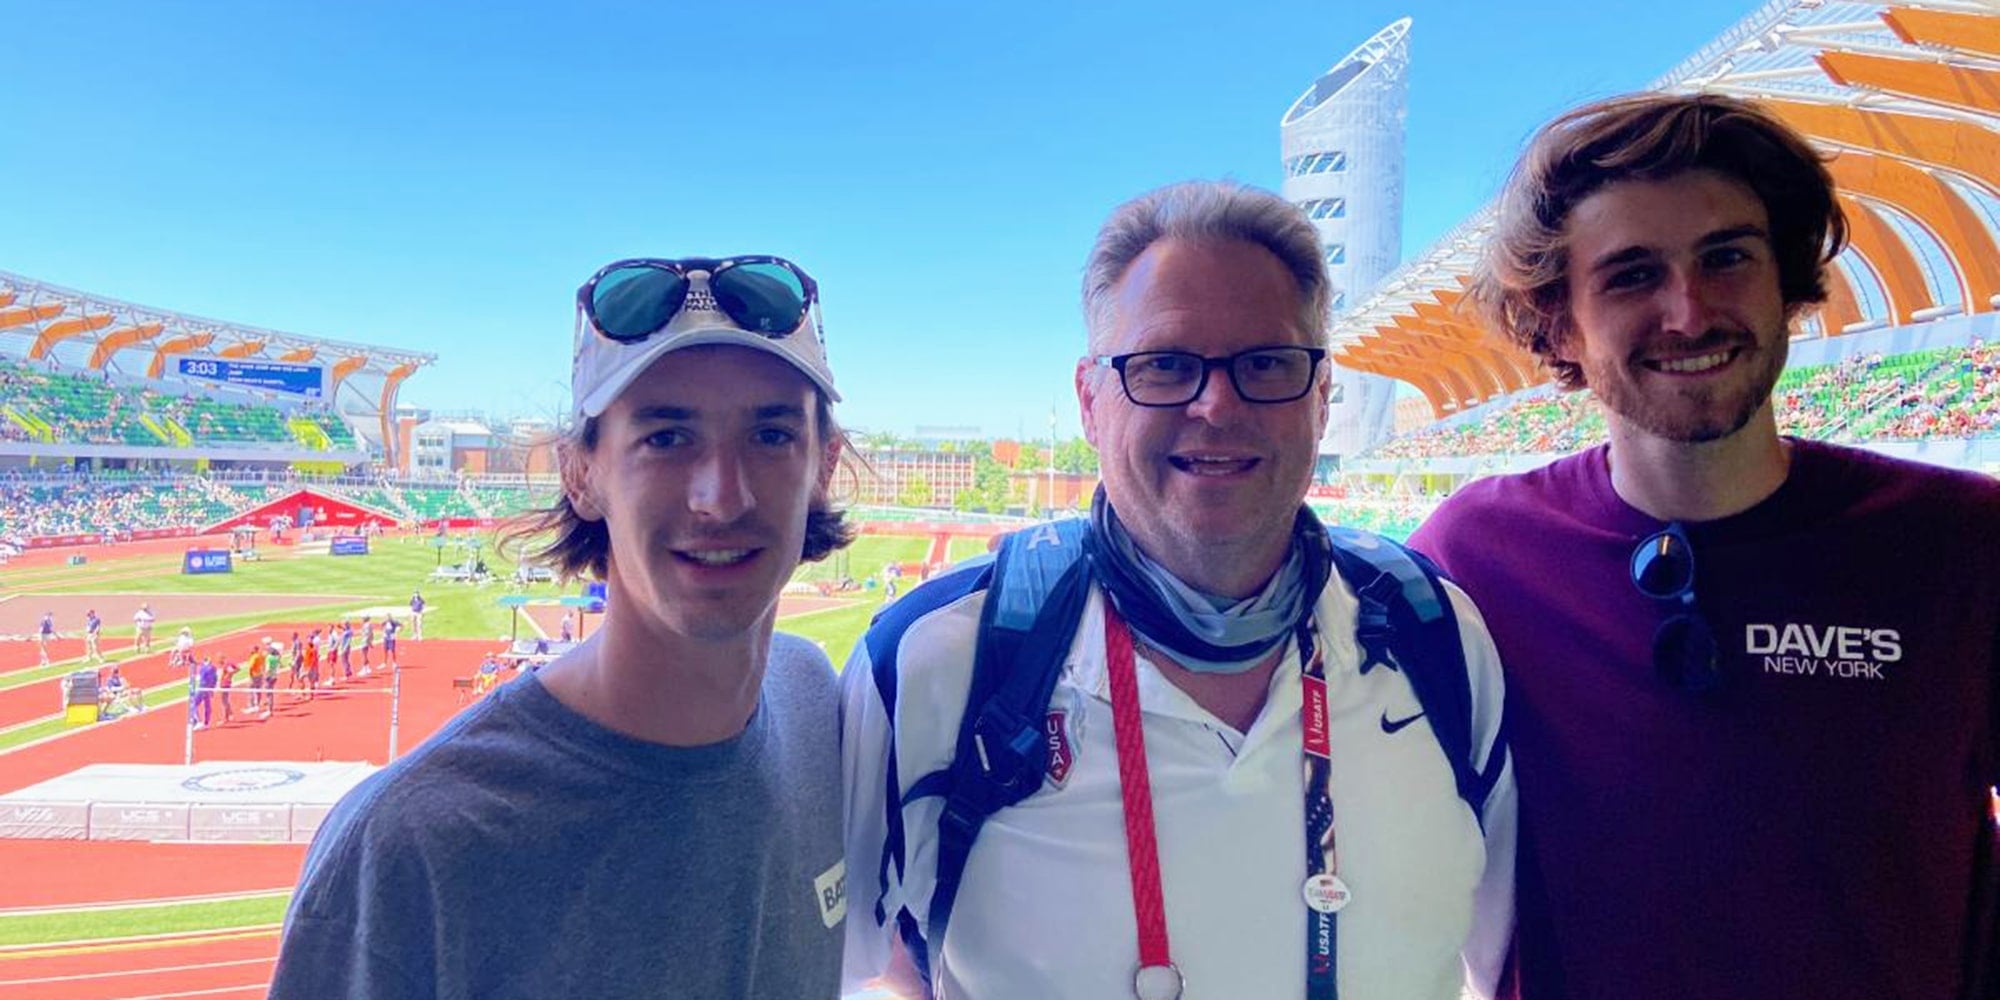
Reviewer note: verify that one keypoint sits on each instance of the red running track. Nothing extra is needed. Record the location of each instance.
(48, 873)
(44, 697)
(226, 965)
(338, 723)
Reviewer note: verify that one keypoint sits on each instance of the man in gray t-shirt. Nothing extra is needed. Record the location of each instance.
(657, 812)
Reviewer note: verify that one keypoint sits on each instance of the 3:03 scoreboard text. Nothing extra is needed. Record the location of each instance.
(271, 376)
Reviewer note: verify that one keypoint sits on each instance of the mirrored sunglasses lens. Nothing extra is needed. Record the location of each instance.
(1662, 566)
(634, 302)
(763, 298)
(1686, 655)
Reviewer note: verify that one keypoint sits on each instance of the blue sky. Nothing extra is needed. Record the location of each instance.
(442, 176)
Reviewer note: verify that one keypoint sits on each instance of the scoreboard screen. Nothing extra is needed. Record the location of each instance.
(271, 376)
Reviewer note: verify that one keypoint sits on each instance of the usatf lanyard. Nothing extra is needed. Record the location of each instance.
(1325, 894)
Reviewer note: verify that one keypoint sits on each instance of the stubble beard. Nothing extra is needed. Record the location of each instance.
(1688, 415)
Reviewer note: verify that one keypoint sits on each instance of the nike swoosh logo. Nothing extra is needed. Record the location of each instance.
(1394, 726)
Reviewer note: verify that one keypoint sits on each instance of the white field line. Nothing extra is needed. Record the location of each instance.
(81, 976)
(140, 904)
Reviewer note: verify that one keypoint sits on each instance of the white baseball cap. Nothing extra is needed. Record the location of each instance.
(601, 367)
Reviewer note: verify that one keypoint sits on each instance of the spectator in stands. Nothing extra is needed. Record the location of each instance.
(45, 633)
(93, 628)
(142, 627)
(695, 478)
(1736, 659)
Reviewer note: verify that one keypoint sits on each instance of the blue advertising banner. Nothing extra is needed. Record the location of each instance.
(205, 561)
(594, 595)
(273, 376)
(350, 546)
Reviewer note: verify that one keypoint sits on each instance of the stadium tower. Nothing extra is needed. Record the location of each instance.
(1342, 142)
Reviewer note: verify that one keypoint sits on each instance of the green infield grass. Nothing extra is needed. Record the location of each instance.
(959, 550)
(863, 560)
(65, 926)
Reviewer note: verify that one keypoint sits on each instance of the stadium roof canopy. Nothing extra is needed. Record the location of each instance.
(1908, 97)
(84, 331)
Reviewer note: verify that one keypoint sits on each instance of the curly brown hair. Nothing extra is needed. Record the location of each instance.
(1521, 288)
(578, 547)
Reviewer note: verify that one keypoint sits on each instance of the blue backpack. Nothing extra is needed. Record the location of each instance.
(1037, 586)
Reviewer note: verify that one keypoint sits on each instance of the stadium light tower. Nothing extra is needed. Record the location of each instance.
(1342, 143)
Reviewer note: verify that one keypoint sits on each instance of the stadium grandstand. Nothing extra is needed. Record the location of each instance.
(49, 508)
(98, 382)
(1905, 356)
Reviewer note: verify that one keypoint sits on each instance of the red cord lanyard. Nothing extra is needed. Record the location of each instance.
(1325, 894)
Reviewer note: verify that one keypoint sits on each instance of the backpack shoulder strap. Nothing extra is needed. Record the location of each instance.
(883, 640)
(1406, 623)
(1036, 587)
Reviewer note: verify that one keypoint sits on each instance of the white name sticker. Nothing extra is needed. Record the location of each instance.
(830, 889)
(1326, 893)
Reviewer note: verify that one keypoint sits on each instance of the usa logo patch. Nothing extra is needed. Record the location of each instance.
(1055, 730)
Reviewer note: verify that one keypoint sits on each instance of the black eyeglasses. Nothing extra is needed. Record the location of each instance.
(1177, 378)
(1685, 653)
(630, 300)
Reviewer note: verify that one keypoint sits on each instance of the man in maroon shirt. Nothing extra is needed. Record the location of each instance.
(1751, 678)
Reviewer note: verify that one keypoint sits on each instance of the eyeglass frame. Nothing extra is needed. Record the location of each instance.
(1117, 363)
(683, 267)
(1688, 615)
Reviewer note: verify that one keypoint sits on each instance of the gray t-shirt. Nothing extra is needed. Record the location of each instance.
(525, 851)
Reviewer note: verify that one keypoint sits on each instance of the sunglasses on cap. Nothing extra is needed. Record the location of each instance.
(1685, 653)
(631, 300)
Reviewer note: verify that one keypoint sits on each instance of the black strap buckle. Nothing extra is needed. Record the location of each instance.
(1008, 748)
(1373, 630)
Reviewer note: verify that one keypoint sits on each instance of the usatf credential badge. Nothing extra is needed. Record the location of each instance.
(1061, 758)
(243, 779)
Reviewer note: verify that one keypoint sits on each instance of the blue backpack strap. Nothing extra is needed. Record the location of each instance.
(1037, 586)
(1041, 580)
(1406, 623)
(882, 640)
